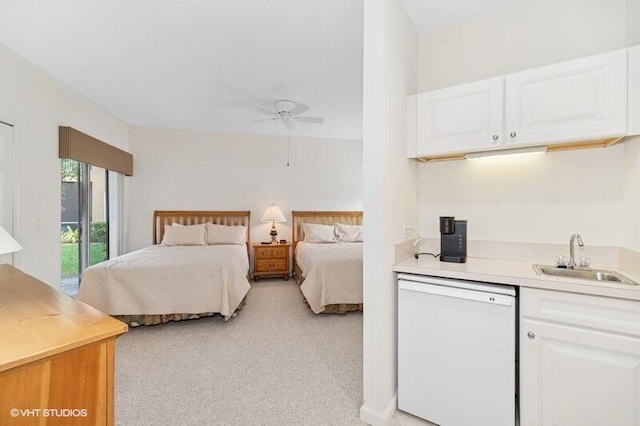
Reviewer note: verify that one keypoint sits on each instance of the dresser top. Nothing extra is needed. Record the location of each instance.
(38, 321)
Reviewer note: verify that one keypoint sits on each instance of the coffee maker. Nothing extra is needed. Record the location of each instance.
(453, 240)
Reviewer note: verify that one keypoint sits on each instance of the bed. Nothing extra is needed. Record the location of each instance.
(158, 284)
(329, 274)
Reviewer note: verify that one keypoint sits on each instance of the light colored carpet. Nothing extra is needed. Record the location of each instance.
(275, 363)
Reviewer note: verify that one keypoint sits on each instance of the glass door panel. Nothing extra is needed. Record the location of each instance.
(98, 215)
(70, 226)
(84, 221)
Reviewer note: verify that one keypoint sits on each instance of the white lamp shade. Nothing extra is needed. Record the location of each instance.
(273, 214)
(7, 243)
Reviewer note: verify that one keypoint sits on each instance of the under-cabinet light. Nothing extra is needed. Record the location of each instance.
(512, 151)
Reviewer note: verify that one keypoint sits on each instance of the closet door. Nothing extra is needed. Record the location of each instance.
(581, 99)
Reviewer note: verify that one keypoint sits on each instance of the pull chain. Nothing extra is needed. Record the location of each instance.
(288, 144)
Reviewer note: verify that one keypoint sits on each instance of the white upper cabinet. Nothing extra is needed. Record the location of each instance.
(580, 99)
(461, 118)
(634, 91)
(411, 126)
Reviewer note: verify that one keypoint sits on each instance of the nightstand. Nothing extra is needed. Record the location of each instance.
(271, 260)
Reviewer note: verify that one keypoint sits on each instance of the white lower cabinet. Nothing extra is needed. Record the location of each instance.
(573, 375)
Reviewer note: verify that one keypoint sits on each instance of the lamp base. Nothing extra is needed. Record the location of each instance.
(273, 233)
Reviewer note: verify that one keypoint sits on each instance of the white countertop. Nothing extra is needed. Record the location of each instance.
(517, 273)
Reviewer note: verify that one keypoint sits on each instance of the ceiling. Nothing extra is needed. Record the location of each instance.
(428, 15)
(204, 64)
(200, 64)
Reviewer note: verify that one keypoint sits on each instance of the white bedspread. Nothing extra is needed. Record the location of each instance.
(168, 280)
(332, 271)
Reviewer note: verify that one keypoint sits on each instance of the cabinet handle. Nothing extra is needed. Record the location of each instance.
(272, 265)
(531, 335)
(513, 134)
(495, 137)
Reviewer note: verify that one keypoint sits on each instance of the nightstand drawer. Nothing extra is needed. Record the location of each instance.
(281, 252)
(264, 253)
(272, 265)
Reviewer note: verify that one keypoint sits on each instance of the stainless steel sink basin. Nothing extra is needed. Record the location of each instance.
(583, 274)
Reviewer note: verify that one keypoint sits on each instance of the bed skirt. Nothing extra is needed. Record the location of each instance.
(338, 308)
(139, 320)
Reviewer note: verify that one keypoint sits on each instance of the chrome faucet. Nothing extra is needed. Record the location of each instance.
(572, 258)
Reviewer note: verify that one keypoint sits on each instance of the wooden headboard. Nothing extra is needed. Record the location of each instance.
(322, 217)
(229, 218)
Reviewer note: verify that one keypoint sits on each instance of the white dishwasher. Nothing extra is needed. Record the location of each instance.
(457, 351)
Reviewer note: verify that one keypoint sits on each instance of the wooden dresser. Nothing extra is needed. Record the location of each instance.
(56, 355)
(271, 260)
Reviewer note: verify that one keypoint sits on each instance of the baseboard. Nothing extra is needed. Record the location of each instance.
(378, 418)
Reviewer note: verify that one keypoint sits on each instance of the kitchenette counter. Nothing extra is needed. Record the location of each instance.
(517, 273)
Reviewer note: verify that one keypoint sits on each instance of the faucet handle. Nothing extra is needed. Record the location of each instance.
(562, 261)
(583, 262)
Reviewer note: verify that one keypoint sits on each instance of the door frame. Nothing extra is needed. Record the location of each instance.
(14, 122)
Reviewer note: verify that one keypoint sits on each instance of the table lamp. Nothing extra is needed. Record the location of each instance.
(7, 243)
(273, 215)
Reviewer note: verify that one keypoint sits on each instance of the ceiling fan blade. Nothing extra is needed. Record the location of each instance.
(266, 119)
(299, 109)
(264, 110)
(310, 119)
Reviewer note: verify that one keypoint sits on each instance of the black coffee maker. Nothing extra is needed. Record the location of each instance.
(453, 240)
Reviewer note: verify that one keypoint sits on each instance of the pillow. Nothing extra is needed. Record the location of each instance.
(179, 235)
(223, 234)
(314, 233)
(348, 233)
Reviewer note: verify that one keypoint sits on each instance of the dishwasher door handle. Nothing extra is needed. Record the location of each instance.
(458, 293)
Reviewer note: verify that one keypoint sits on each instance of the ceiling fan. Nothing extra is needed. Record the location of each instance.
(287, 111)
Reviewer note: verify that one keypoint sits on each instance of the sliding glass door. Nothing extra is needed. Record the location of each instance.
(84, 221)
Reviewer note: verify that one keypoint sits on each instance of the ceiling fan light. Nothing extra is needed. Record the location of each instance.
(285, 105)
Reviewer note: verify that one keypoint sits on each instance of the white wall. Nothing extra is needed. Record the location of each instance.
(632, 26)
(631, 185)
(525, 35)
(530, 199)
(203, 170)
(390, 191)
(36, 104)
(537, 198)
(631, 190)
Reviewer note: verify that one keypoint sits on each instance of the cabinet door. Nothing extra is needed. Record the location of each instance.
(575, 100)
(571, 376)
(460, 118)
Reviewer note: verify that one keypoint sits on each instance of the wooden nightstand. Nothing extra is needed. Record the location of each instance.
(271, 260)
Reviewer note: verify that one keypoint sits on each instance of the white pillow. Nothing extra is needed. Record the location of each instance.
(223, 234)
(348, 233)
(315, 233)
(179, 235)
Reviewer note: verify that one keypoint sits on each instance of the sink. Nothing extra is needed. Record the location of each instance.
(583, 274)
